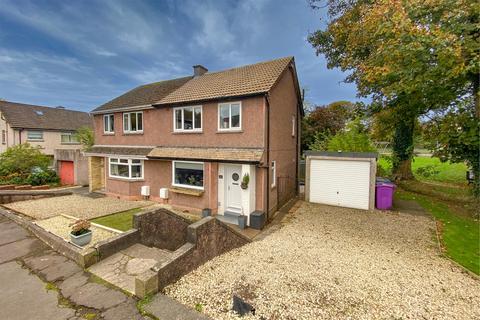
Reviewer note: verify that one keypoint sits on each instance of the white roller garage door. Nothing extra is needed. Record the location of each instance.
(342, 183)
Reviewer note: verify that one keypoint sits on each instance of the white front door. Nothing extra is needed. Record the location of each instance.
(233, 191)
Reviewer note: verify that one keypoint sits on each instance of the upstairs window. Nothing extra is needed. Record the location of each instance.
(294, 127)
(126, 168)
(69, 138)
(274, 174)
(229, 116)
(35, 135)
(133, 122)
(108, 123)
(187, 119)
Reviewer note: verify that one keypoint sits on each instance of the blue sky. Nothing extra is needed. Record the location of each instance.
(80, 54)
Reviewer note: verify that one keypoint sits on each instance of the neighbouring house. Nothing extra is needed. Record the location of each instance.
(51, 129)
(190, 142)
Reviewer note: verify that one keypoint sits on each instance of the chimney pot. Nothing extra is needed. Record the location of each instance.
(199, 70)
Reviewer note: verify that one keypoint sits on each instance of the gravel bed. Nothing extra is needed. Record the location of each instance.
(60, 226)
(74, 205)
(337, 263)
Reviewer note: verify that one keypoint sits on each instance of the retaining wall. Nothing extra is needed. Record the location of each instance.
(9, 196)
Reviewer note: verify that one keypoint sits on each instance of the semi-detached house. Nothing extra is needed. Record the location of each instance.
(190, 142)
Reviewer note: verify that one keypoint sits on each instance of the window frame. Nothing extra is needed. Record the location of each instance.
(129, 164)
(129, 130)
(70, 134)
(183, 119)
(110, 118)
(273, 169)
(34, 139)
(239, 128)
(179, 185)
(294, 126)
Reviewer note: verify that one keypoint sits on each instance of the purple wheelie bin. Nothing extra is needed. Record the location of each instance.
(384, 195)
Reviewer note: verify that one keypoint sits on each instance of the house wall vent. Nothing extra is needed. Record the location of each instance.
(145, 191)
(163, 193)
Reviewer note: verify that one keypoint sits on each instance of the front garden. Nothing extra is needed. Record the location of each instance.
(25, 165)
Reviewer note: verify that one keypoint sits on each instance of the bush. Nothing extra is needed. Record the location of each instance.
(427, 171)
(39, 178)
(21, 160)
(352, 139)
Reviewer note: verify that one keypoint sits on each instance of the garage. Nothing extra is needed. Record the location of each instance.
(344, 179)
(66, 171)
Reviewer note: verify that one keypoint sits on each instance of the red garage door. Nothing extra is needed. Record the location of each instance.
(66, 172)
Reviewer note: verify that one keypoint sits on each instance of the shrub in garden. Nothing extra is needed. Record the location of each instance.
(352, 139)
(42, 177)
(21, 160)
(427, 171)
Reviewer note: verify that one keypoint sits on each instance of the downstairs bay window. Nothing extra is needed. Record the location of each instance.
(187, 174)
(126, 168)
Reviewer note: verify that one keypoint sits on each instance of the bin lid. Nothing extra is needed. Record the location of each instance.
(385, 184)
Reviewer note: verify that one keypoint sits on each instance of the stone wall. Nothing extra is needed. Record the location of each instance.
(96, 173)
(161, 228)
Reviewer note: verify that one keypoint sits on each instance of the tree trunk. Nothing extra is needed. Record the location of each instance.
(403, 148)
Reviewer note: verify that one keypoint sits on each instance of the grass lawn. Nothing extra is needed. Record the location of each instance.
(448, 172)
(121, 220)
(460, 234)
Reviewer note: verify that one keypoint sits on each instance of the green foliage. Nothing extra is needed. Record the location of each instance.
(42, 177)
(19, 161)
(353, 138)
(199, 307)
(427, 171)
(455, 136)
(325, 121)
(320, 142)
(86, 137)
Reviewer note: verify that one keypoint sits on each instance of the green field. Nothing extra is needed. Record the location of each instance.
(447, 172)
(121, 221)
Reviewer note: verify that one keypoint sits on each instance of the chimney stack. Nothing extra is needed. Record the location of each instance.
(199, 70)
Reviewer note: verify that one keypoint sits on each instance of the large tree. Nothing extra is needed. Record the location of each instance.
(409, 56)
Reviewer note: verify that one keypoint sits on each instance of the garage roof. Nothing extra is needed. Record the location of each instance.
(342, 154)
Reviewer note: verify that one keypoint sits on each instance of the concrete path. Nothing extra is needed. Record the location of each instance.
(122, 268)
(38, 283)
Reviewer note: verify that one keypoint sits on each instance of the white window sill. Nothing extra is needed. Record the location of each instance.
(35, 140)
(187, 131)
(126, 179)
(132, 133)
(230, 131)
(109, 133)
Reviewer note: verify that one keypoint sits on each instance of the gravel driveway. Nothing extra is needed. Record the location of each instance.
(337, 263)
(74, 205)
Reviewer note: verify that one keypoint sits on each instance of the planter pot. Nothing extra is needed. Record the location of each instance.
(242, 222)
(81, 240)
(206, 212)
(244, 186)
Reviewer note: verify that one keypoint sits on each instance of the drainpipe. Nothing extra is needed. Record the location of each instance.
(20, 136)
(267, 104)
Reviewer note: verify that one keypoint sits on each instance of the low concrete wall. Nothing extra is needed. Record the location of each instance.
(207, 239)
(9, 196)
(122, 241)
(84, 258)
(161, 228)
